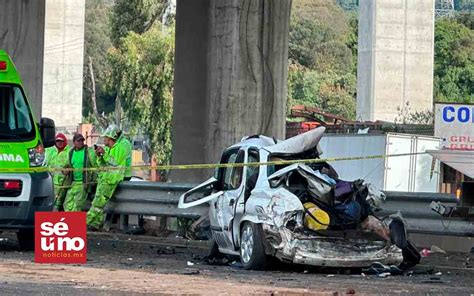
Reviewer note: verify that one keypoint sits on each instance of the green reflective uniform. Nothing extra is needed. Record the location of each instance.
(127, 145)
(81, 182)
(115, 157)
(56, 160)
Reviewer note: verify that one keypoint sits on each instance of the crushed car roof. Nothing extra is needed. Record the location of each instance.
(300, 143)
(297, 144)
(257, 141)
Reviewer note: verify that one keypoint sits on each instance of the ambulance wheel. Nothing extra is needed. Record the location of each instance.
(252, 249)
(26, 239)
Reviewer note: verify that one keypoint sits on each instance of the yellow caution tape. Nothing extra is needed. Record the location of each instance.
(203, 166)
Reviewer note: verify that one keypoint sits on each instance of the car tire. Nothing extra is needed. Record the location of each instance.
(26, 239)
(252, 247)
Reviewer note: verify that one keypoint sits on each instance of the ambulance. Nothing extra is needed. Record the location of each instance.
(23, 188)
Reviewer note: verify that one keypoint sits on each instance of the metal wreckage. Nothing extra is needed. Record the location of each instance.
(299, 213)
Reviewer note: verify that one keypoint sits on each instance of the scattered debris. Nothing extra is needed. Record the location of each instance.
(216, 261)
(378, 268)
(190, 263)
(433, 280)
(200, 229)
(236, 264)
(439, 273)
(384, 274)
(198, 257)
(191, 272)
(350, 291)
(130, 259)
(467, 263)
(166, 251)
(421, 271)
(425, 252)
(330, 275)
(436, 249)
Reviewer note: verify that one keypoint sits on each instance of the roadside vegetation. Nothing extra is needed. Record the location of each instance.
(322, 69)
(129, 70)
(129, 60)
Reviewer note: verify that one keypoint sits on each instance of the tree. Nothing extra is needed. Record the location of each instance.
(466, 5)
(454, 61)
(96, 43)
(142, 64)
(466, 18)
(329, 92)
(323, 57)
(317, 29)
(143, 67)
(407, 116)
(134, 15)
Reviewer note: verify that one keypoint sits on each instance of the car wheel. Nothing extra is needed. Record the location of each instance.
(26, 239)
(252, 250)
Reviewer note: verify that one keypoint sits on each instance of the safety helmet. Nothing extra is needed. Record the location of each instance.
(112, 132)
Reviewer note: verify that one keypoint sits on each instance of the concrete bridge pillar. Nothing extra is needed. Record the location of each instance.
(22, 25)
(230, 77)
(395, 60)
(45, 39)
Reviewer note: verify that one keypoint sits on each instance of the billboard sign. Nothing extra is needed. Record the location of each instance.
(454, 124)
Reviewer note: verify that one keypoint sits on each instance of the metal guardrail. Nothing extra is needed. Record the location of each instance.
(152, 199)
(161, 199)
(415, 209)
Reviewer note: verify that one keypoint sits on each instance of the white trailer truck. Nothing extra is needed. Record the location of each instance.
(411, 173)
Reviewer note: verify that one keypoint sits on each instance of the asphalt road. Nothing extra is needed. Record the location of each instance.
(135, 265)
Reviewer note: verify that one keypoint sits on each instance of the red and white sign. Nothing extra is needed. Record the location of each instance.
(60, 237)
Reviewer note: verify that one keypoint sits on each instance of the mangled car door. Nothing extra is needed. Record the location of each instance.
(223, 211)
(206, 185)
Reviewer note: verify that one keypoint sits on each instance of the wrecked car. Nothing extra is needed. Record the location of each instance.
(298, 212)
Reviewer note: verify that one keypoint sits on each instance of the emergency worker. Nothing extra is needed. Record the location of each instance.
(80, 159)
(123, 141)
(114, 157)
(55, 158)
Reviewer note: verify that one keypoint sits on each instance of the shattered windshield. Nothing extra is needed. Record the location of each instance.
(16, 122)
